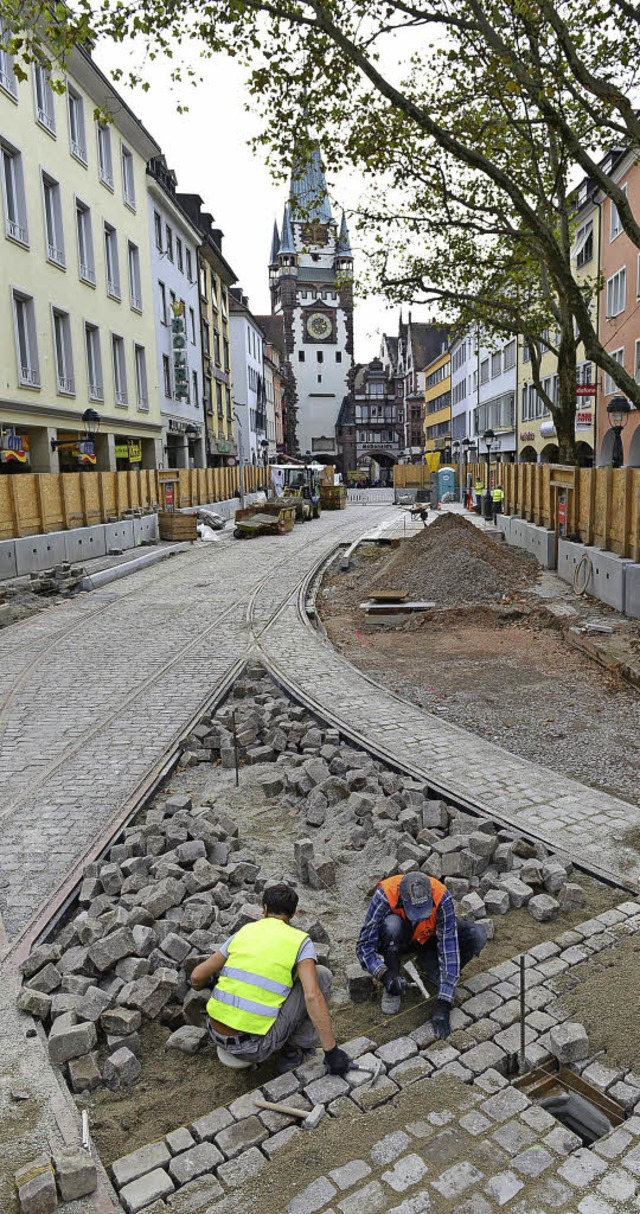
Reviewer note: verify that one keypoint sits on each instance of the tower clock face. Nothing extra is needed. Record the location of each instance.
(319, 326)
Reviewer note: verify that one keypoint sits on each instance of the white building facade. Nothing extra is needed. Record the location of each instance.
(311, 269)
(484, 394)
(174, 261)
(247, 368)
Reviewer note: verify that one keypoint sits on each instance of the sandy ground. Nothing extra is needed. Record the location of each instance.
(501, 671)
(606, 1002)
(176, 1089)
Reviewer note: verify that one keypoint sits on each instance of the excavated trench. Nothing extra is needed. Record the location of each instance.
(234, 840)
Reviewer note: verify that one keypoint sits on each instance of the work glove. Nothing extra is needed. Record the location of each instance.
(394, 984)
(441, 1020)
(337, 1061)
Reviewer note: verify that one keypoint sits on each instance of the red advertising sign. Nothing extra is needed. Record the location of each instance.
(562, 513)
(168, 497)
(586, 389)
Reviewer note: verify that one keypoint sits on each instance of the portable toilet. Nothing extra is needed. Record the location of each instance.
(446, 480)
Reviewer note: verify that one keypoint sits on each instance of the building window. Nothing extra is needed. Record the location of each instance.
(301, 355)
(94, 362)
(610, 385)
(128, 179)
(319, 379)
(219, 399)
(63, 355)
(214, 292)
(583, 248)
(163, 303)
(338, 356)
(119, 369)
(105, 163)
(207, 394)
(636, 372)
(189, 264)
(166, 376)
(157, 230)
(526, 353)
(496, 364)
(320, 356)
(45, 111)
(26, 340)
(510, 351)
(615, 227)
(54, 232)
(111, 261)
(206, 340)
(169, 241)
(8, 78)
(142, 391)
(616, 293)
(179, 261)
(86, 258)
(172, 300)
(194, 389)
(192, 326)
(77, 132)
(202, 276)
(484, 371)
(135, 286)
(216, 351)
(15, 202)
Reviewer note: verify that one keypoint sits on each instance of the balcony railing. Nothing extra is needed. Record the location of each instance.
(96, 391)
(106, 177)
(55, 254)
(66, 383)
(136, 303)
(46, 119)
(88, 274)
(78, 151)
(121, 396)
(31, 376)
(113, 289)
(17, 231)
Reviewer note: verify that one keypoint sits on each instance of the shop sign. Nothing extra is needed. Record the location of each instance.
(14, 448)
(527, 436)
(223, 448)
(586, 389)
(85, 453)
(584, 419)
(231, 462)
(130, 451)
(179, 349)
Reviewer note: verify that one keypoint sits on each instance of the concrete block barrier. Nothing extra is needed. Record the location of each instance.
(632, 591)
(569, 556)
(119, 535)
(608, 577)
(84, 543)
(36, 552)
(145, 529)
(8, 566)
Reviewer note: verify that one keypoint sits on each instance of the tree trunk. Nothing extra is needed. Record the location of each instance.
(564, 415)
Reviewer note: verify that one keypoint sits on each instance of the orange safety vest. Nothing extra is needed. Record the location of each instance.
(426, 928)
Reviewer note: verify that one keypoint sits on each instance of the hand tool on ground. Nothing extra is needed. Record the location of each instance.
(373, 1072)
(416, 979)
(310, 1118)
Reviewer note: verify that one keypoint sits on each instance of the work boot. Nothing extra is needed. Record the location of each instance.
(390, 1004)
(289, 1059)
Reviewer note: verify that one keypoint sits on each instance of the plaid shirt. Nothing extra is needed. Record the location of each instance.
(446, 932)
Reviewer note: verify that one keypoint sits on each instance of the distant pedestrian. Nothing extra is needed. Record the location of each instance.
(497, 498)
(424, 513)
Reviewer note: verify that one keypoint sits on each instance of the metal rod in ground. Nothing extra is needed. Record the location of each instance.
(235, 747)
(523, 1012)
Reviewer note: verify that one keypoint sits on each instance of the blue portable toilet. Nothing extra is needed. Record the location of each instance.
(446, 480)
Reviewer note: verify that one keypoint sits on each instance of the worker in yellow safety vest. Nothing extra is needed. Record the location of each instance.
(497, 498)
(270, 992)
(478, 489)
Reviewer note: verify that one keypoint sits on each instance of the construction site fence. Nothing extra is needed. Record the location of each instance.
(36, 503)
(597, 506)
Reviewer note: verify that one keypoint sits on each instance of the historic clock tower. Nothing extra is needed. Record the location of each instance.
(311, 273)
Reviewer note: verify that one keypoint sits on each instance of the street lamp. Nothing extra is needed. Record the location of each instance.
(91, 423)
(618, 411)
(456, 452)
(264, 443)
(488, 438)
(466, 443)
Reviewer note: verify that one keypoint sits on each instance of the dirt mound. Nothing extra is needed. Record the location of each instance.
(453, 562)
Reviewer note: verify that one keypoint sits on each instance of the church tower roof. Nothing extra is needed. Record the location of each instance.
(286, 241)
(275, 246)
(309, 194)
(343, 247)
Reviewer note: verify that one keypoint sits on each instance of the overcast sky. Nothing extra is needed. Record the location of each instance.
(208, 150)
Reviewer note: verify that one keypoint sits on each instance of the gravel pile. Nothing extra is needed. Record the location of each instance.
(180, 880)
(452, 562)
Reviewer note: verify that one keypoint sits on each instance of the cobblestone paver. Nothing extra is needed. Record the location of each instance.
(92, 692)
(571, 816)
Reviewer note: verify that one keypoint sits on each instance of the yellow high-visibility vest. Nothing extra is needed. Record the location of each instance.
(497, 495)
(257, 976)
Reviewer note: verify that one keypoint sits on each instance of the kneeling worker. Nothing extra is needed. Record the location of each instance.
(270, 991)
(415, 913)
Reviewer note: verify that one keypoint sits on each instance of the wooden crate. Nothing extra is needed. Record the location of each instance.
(333, 497)
(175, 526)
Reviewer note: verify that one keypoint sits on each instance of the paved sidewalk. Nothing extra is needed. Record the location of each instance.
(572, 816)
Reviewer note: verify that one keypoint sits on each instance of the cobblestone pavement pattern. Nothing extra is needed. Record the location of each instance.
(93, 691)
(569, 815)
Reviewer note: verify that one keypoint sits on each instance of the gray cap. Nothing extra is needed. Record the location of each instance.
(417, 896)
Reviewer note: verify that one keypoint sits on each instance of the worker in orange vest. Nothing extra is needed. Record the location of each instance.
(416, 913)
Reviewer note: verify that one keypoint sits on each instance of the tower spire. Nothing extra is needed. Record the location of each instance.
(275, 245)
(344, 244)
(309, 195)
(286, 241)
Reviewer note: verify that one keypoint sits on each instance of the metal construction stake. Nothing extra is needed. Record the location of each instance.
(523, 1012)
(235, 746)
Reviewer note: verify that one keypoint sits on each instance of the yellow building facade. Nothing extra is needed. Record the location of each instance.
(77, 332)
(437, 407)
